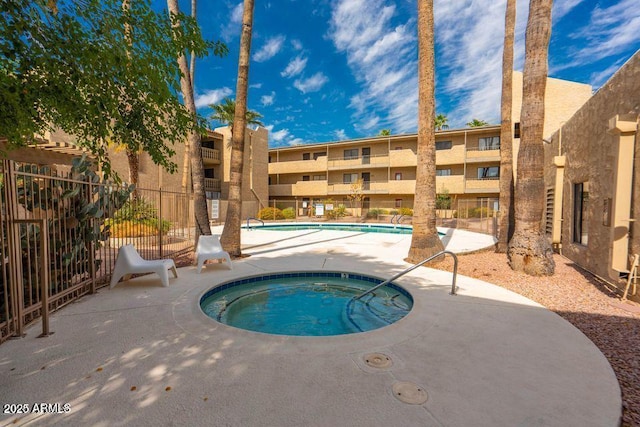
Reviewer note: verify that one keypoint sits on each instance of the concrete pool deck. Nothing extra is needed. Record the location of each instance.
(141, 354)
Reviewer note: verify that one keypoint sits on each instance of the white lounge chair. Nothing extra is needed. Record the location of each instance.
(209, 247)
(130, 262)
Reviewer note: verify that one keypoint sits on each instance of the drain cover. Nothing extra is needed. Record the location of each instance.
(378, 360)
(409, 392)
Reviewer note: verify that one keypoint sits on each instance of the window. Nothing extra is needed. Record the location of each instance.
(443, 172)
(398, 148)
(269, 180)
(351, 154)
(348, 178)
(269, 159)
(489, 143)
(306, 156)
(319, 177)
(398, 176)
(516, 130)
(305, 177)
(398, 203)
(319, 154)
(443, 145)
(491, 172)
(580, 205)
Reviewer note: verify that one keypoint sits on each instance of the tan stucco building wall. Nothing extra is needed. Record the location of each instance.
(592, 154)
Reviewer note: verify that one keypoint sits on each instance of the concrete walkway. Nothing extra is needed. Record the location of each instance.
(141, 354)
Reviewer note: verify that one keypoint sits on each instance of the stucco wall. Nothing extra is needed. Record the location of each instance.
(590, 154)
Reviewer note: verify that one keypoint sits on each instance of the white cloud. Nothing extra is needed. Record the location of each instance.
(212, 96)
(269, 49)
(282, 137)
(311, 84)
(341, 134)
(255, 86)
(381, 54)
(297, 44)
(232, 28)
(295, 67)
(267, 100)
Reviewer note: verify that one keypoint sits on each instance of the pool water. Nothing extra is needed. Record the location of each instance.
(306, 304)
(362, 228)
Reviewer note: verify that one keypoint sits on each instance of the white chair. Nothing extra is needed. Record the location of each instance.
(633, 276)
(130, 262)
(209, 247)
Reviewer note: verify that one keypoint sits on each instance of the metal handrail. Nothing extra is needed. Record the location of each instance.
(393, 217)
(413, 267)
(256, 219)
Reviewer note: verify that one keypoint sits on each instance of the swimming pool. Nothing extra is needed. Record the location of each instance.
(362, 228)
(306, 303)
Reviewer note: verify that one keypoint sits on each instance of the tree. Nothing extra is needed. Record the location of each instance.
(225, 112)
(197, 167)
(63, 67)
(506, 215)
(425, 241)
(230, 238)
(441, 122)
(385, 132)
(186, 159)
(356, 195)
(475, 123)
(529, 250)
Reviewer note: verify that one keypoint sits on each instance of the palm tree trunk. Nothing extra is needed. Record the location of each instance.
(230, 238)
(506, 220)
(197, 166)
(529, 250)
(425, 240)
(186, 170)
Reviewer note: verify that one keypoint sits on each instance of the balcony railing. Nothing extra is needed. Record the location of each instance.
(210, 155)
(211, 184)
(358, 162)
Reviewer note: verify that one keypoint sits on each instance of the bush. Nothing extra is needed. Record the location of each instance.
(270, 213)
(132, 229)
(376, 212)
(406, 211)
(337, 212)
(289, 213)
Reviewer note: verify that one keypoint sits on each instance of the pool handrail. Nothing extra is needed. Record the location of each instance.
(413, 267)
(393, 217)
(256, 219)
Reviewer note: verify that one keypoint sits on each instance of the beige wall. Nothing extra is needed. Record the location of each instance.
(590, 152)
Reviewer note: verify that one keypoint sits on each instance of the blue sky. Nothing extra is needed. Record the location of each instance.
(326, 70)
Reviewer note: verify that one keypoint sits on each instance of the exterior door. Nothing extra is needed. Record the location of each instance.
(366, 179)
(366, 155)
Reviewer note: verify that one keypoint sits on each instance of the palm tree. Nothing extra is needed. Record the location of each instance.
(425, 241)
(476, 123)
(230, 238)
(186, 170)
(441, 122)
(529, 250)
(197, 166)
(385, 132)
(506, 215)
(225, 112)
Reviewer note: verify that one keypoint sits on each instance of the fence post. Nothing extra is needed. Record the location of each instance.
(15, 251)
(160, 217)
(44, 276)
(92, 245)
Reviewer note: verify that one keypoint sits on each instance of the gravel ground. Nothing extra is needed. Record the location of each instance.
(585, 301)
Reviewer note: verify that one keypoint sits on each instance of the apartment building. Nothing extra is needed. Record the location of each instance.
(467, 166)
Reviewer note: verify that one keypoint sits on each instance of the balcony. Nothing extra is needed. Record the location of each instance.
(403, 186)
(300, 188)
(211, 184)
(454, 184)
(210, 156)
(452, 156)
(488, 185)
(299, 166)
(361, 162)
(403, 158)
(475, 155)
(369, 187)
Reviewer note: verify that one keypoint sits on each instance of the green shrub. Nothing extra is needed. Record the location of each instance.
(393, 212)
(139, 217)
(132, 229)
(406, 211)
(375, 213)
(289, 213)
(270, 213)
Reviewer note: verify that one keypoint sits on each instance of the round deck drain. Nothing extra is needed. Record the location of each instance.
(378, 360)
(410, 393)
